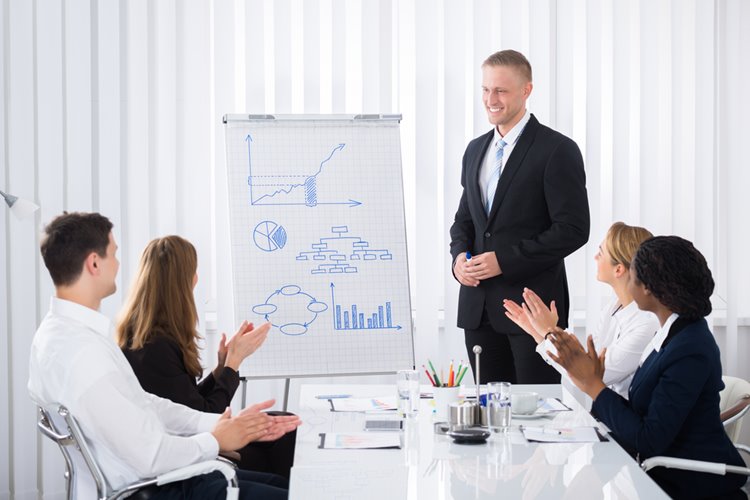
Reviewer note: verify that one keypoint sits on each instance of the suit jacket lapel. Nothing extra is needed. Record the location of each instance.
(641, 372)
(514, 163)
(475, 168)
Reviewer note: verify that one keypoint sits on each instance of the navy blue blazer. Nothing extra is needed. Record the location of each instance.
(674, 411)
(539, 216)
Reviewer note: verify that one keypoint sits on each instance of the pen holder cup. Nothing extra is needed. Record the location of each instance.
(444, 396)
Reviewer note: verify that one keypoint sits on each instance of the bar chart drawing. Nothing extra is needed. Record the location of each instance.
(337, 254)
(353, 318)
(290, 188)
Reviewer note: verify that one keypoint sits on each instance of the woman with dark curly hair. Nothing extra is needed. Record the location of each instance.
(674, 396)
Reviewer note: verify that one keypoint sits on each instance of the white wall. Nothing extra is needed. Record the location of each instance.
(116, 106)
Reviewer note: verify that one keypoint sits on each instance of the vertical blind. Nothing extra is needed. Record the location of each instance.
(116, 106)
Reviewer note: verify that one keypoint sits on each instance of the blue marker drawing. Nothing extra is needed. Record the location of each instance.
(336, 252)
(290, 309)
(289, 189)
(269, 236)
(352, 318)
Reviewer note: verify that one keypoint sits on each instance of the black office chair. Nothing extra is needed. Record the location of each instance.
(84, 478)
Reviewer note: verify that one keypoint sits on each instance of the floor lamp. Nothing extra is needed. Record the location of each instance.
(22, 209)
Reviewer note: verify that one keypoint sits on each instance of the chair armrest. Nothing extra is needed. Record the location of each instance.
(196, 470)
(693, 465)
(231, 456)
(685, 464)
(736, 411)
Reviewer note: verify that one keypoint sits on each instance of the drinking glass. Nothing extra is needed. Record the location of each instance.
(498, 406)
(407, 386)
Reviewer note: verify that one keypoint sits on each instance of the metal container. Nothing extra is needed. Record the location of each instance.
(463, 415)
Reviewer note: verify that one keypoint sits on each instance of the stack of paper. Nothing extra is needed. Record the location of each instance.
(359, 441)
(562, 435)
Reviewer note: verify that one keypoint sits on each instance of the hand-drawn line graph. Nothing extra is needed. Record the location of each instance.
(269, 236)
(290, 309)
(339, 250)
(289, 189)
(351, 319)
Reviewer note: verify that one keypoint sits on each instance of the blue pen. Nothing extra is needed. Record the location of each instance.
(468, 256)
(333, 396)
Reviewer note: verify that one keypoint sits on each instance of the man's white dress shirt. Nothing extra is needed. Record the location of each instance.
(488, 164)
(133, 434)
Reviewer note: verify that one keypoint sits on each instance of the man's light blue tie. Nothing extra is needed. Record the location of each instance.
(496, 168)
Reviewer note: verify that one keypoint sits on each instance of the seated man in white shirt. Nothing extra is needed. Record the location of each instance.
(133, 434)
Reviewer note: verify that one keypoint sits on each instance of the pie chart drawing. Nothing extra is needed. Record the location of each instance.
(269, 236)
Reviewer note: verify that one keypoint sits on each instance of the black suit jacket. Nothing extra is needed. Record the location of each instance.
(540, 215)
(161, 370)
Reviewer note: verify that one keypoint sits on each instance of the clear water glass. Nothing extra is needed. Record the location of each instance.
(407, 386)
(498, 406)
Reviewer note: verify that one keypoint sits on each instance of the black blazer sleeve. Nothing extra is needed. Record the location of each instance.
(564, 194)
(674, 411)
(161, 371)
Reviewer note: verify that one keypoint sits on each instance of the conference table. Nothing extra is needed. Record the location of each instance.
(432, 466)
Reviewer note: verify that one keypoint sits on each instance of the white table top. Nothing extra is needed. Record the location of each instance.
(431, 466)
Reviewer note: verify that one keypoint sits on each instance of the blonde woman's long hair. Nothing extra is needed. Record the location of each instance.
(161, 300)
(622, 242)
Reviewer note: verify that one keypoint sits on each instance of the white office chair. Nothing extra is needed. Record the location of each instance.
(84, 478)
(734, 406)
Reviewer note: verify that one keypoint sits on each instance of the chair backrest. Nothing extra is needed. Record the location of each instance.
(83, 476)
(734, 405)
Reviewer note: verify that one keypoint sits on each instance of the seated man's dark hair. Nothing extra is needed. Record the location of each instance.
(69, 239)
(676, 274)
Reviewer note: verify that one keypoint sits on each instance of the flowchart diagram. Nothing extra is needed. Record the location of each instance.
(338, 253)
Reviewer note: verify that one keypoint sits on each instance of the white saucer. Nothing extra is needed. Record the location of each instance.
(528, 416)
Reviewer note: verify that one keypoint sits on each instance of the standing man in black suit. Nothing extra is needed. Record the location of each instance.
(524, 208)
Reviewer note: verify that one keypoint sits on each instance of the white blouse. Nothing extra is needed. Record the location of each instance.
(625, 332)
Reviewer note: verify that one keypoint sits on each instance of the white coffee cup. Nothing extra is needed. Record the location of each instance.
(524, 403)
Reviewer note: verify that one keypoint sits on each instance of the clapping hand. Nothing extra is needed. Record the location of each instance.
(234, 432)
(246, 340)
(585, 367)
(542, 318)
(517, 315)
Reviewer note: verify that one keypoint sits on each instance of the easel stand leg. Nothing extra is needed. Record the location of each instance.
(286, 394)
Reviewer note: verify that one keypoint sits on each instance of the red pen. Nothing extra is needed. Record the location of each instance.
(428, 375)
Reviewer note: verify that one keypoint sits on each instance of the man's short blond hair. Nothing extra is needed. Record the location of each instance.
(510, 58)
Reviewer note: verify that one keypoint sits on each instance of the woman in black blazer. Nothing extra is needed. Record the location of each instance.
(157, 334)
(674, 396)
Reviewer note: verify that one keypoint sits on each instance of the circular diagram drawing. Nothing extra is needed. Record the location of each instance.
(290, 309)
(269, 236)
